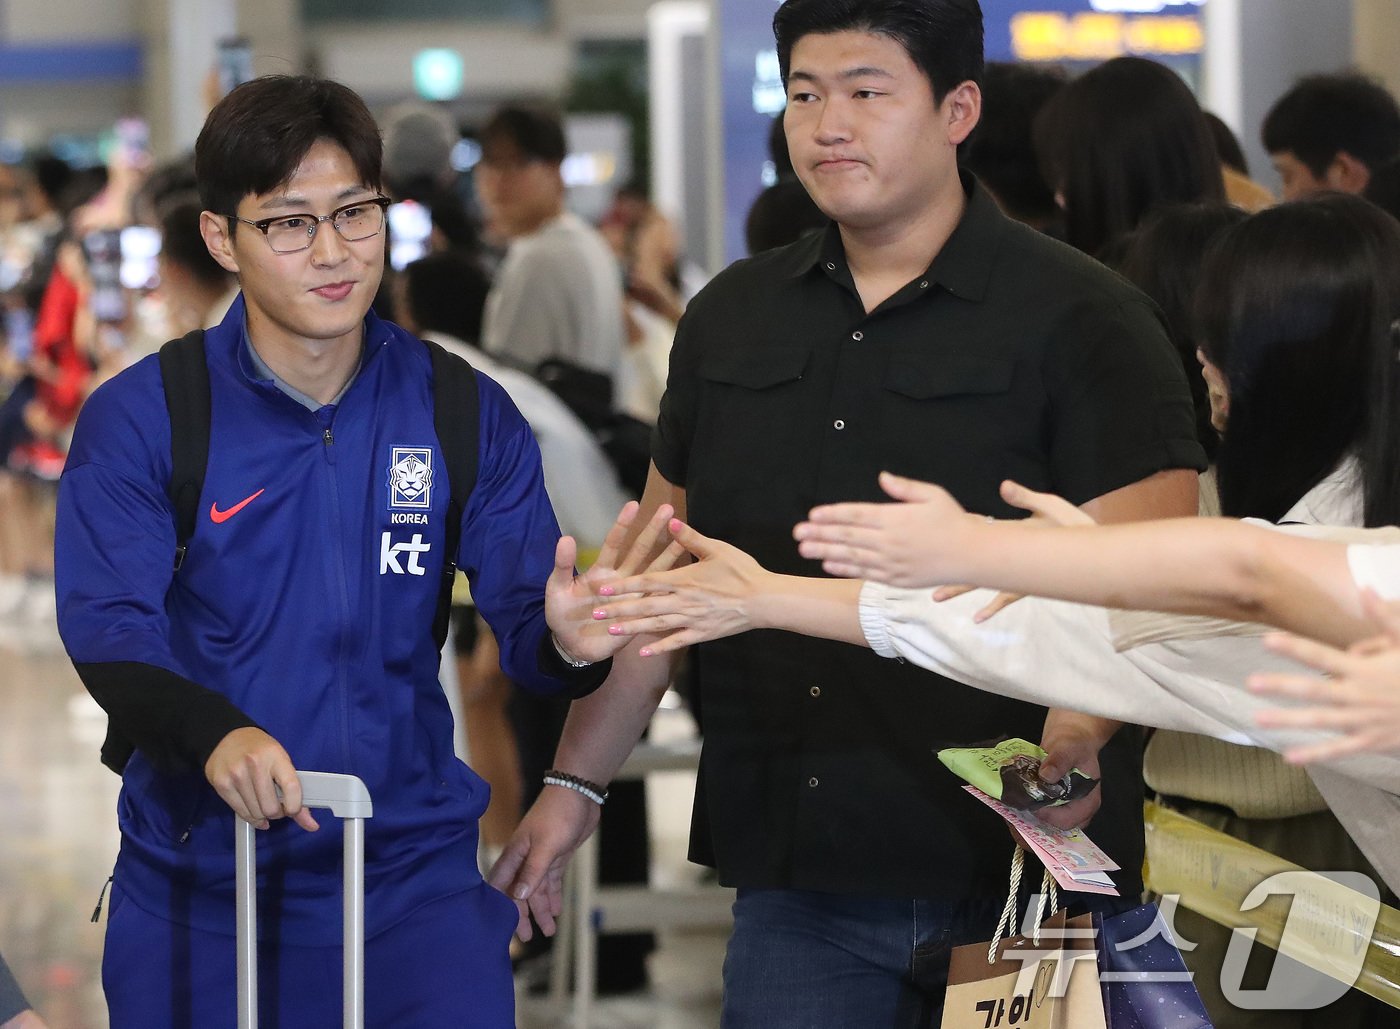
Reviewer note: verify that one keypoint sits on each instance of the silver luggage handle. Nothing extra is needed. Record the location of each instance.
(348, 799)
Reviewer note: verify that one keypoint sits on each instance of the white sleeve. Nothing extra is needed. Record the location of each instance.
(1377, 567)
(1047, 652)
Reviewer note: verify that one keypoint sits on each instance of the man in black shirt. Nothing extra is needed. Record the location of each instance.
(927, 334)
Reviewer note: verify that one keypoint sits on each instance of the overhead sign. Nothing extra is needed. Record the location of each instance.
(1054, 36)
(1089, 31)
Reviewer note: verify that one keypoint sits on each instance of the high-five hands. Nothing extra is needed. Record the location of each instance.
(571, 599)
(703, 601)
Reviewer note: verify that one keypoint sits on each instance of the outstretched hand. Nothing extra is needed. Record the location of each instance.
(911, 543)
(1358, 700)
(703, 601)
(1044, 507)
(570, 599)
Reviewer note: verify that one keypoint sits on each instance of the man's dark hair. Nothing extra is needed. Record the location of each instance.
(1120, 141)
(182, 244)
(255, 137)
(446, 292)
(1323, 115)
(942, 37)
(1000, 150)
(538, 132)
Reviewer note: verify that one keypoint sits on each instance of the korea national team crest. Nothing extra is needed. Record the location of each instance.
(411, 478)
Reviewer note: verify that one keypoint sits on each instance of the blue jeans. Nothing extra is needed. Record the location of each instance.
(802, 960)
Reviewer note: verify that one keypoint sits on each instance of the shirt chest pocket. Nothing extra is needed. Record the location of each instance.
(925, 380)
(955, 410)
(750, 416)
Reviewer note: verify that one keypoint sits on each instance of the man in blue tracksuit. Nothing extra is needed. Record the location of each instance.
(297, 632)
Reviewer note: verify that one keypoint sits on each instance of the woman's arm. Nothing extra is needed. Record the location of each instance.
(1193, 566)
(1045, 652)
(726, 592)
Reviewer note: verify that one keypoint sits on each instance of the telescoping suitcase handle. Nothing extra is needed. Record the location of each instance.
(348, 799)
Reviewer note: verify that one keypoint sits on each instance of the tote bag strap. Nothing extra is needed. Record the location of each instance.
(1006, 925)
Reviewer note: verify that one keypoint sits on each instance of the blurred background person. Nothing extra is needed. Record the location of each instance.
(1124, 139)
(1001, 150)
(1240, 189)
(558, 293)
(1163, 258)
(1329, 131)
(782, 214)
(15, 1012)
(196, 289)
(418, 145)
(1383, 187)
(648, 246)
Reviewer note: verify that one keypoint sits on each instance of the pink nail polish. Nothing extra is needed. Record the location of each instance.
(645, 652)
(600, 614)
(606, 591)
(615, 630)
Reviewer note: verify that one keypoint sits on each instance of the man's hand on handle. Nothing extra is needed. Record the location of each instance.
(256, 777)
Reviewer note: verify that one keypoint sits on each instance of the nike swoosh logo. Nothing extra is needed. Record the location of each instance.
(219, 517)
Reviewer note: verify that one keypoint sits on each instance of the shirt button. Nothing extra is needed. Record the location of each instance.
(816, 691)
(831, 266)
(857, 336)
(812, 782)
(924, 284)
(839, 424)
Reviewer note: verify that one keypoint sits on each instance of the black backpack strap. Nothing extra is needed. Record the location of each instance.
(185, 374)
(456, 419)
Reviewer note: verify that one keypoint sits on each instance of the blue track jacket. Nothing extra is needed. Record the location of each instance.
(305, 606)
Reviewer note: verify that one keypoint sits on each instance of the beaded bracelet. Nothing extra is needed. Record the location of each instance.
(591, 790)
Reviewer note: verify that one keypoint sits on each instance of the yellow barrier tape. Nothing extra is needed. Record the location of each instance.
(1213, 873)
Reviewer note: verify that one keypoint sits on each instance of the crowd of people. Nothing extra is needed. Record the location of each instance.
(975, 293)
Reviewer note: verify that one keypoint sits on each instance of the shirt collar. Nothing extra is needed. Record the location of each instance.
(963, 266)
(376, 335)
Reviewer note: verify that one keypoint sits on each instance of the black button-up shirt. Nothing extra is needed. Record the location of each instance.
(1013, 356)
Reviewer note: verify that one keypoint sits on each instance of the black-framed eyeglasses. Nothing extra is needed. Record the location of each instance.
(289, 233)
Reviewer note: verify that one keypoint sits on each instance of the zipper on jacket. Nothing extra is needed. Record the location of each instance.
(342, 587)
